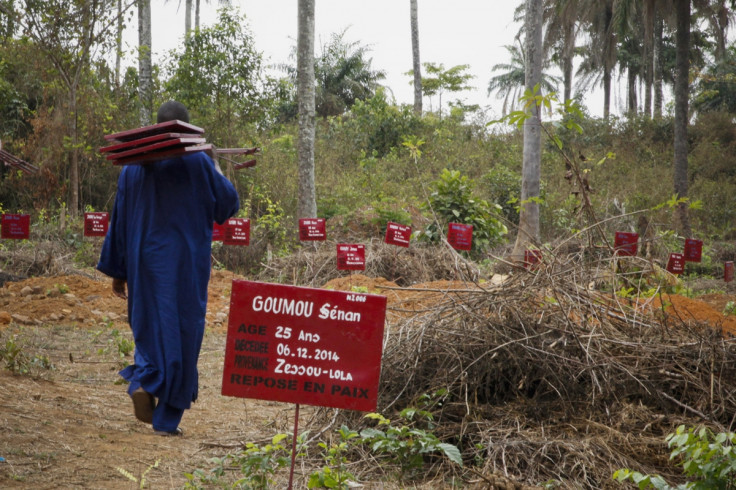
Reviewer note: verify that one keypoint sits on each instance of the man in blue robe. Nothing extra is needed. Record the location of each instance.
(159, 243)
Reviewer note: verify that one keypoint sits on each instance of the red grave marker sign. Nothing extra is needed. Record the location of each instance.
(728, 271)
(460, 236)
(626, 244)
(312, 229)
(15, 226)
(96, 224)
(218, 232)
(350, 257)
(676, 263)
(303, 345)
(693, 250)
(237, 231)
(397, 234)
(532, 259)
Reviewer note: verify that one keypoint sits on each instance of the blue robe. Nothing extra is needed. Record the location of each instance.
(160, 242)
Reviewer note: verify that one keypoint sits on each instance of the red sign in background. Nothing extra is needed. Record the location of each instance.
(460, 236)
(397, 234)
(312, 229)
(237, 231)
(218, 232)
(15, 226)
(303, 345)
(96, 224)
(676, 263)
(693, 250)
(532, 258)
(625, 243)
(350, 257)
(728, 271)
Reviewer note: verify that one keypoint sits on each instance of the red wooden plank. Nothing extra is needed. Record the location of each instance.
(164, 127)
(237, 151)
(249, 163)
(162, 155)
(144, 141)
(160, 145)
(13, 161)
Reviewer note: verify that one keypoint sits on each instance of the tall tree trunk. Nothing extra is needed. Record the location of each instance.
(657, 75)
(187, 17)
(631, 99)
(606, 94)
(74, 167)
(415, 57)
(118, 42)
(306, 202)
(647, 55)
(196, 14)
(609, 58)
(145, 87)
(530, 173)
(682, 71)
(567, 59)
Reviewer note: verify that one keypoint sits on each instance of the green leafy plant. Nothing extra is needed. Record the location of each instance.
(730, 308)
(407, 445)
(708, 459)
(122, 345)
(451, 200)
(260, 463)
(334, 474)
(13, 356)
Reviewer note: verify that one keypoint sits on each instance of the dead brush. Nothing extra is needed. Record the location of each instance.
(550, 380)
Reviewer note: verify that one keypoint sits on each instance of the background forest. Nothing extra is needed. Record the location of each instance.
(376, 161)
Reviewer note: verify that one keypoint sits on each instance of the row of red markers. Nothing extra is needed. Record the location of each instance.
(236, 231)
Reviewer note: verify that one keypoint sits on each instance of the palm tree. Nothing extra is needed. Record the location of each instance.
(145, 70)
(562, 21)
(719, 18)
(682, 10)
(531, 165)
(597, 67)
(415, 57)
(306, 199)
(344, 75)
(509, 85)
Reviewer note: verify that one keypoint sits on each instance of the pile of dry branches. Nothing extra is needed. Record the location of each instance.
(549, 379)
(315, 264)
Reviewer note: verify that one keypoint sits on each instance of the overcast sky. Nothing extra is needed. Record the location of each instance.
(462, 32)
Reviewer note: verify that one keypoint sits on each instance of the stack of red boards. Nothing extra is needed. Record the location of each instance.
(15, 162)
(157, 142)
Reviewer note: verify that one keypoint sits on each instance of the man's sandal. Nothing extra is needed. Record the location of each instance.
(143, 405)
(176, 432)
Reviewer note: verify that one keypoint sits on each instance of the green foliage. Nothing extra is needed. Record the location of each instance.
(715, 87)
(13, 357)
(407, 445)
(451, 200)
(119, 344)
(504, 186)
(375, 126)
(17, 361)
(334, 474)
(730, 308)
(439, 80)
(707, 459)
(218, 76)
